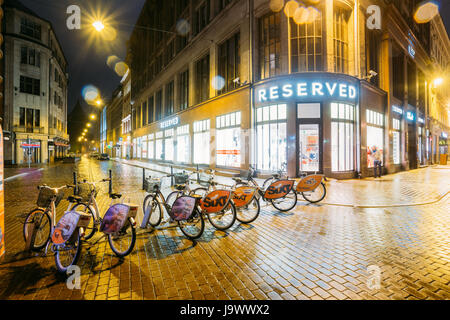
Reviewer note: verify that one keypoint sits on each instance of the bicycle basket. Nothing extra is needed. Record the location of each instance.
(180, 178)
(203, 179)
(45, 197)
(84, 190)
(152, 185)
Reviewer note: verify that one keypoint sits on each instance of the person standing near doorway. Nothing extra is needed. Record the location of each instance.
(377, 162)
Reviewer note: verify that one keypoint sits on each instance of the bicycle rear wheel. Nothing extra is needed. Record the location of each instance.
(153, 208)
(42, 229)
(68, 253)
(317, 195)
(91, 228)
(224, 219)
(122, 243)
(286, 203)
(192, 227)
(249, 212)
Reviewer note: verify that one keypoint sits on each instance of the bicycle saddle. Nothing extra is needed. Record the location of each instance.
(237, 179)
(73, 199)
(179, 187)
(115, 196)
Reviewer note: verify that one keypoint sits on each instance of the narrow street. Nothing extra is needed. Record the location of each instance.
(313, 252)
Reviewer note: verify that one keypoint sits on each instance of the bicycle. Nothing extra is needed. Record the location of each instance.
(279, 192)
(118, 222)
(185, 212)
(244, 198)
(65, 237)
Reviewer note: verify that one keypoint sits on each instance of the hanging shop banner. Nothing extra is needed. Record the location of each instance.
(2, 198)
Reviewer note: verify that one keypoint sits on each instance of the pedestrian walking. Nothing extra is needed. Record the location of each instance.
(377, 162)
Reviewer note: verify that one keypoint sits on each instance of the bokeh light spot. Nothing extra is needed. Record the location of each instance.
(426, 11)
(218, 82)
(90, 93)
(290, 7)
(121, 68)
(183, 27)
(276, 5)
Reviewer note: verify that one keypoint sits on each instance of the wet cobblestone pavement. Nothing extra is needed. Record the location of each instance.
(313, 252)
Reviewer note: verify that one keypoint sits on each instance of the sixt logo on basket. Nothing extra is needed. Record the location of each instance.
(279, 188)
(241, 197)
(215, 201)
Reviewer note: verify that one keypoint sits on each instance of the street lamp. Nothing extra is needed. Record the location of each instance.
(98, 25)
(88, 125)
(92, 116)
(99, 102)
(438, 81)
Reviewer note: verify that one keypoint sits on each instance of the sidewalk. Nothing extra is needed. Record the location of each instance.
(406, 188)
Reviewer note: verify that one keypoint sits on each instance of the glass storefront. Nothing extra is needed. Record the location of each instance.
(396, 141)
(271, 137)
(183, 144)
(168, 144)
(159, 146)
(228, 128)
(375, 132)
(309, 137)
(342, 137)
(151, 146)
(201, 142)
(144, 147)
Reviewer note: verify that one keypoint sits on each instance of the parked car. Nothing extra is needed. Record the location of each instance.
(94, 155)
(103, 156)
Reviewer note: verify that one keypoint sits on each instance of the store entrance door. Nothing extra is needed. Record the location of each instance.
(310, 153)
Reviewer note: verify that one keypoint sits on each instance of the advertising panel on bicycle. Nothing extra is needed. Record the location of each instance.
(243, 195)
(65, 227)
(115, 218)
(183, 208)
(215, 201)
(279, 189)
(309, 183)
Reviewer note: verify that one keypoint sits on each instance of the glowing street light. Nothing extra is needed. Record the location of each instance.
(99, 102)
(98, 25)
(92, 116)
(88, 125)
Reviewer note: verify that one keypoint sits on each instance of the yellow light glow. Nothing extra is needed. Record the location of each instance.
(438, 81)
(99, 102)
(98, 25)
(426, 12)
(276, 5)
(88, 125)
(290, 7)
(85, 139)
(92, 116)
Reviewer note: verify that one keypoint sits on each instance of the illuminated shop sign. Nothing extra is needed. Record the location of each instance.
(444, 135)
(169, 123)
(420, 120)
(397, 109)
(411, 51)
(306, 90)
(410, 116)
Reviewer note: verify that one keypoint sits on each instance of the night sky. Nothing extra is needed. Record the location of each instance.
(86, 57)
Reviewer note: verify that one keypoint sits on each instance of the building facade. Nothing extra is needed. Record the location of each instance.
(231, 84)
(35, 89)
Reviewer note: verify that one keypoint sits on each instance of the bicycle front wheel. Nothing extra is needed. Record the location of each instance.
(286, 203)
(40, 235)
(91, 228)
(154, 209)
(317, 195)
(192, 227)
(249, 212)
(68, 253)
(174, 195)
(122, 242)
(224, 219)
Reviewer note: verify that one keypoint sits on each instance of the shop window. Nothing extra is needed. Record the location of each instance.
(201, 142)
(229, 63)
(269, 45)
(375, 135)
(134, 148)
(228, 128)
(151, 146)
(183, 144)
(271, 137)
(306, 45)
(340, 41)
(168, 144)
(159, 146)
(342, 137)
(308, 110)
(139, 148)
(144, 147)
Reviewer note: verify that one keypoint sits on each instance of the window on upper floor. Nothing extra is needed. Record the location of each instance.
(340, 39)
(30, 28)
(201, 16)
(169, 99)
(30, 85)
(202, 79)
(373, 41)
(184, 89)
(269, 45)
(30, 56)
(307, 45)
(229, 63)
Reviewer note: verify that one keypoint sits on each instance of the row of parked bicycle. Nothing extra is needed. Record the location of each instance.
(222, 205)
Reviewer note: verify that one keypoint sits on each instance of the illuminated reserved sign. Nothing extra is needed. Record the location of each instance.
(170, 123)
(397, 109)
(410, 116)
(307, 89)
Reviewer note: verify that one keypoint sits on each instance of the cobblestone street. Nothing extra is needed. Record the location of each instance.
(399, 223)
